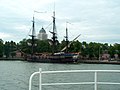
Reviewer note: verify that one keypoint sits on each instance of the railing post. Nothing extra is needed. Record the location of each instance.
(95, 80)
(40, 79)
(30, 83)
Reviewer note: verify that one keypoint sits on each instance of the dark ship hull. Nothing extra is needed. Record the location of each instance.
(65, 58)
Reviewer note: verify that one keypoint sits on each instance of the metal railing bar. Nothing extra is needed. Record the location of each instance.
(79, 83)
(40, 79)
(112, 83)
(77, 71)
(30, 80)
(95, 80)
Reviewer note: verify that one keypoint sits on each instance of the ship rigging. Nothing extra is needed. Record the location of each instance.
(56, 57)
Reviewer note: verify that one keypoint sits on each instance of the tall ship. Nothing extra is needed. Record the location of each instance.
(62, 56)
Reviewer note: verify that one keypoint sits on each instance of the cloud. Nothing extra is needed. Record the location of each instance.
(5, 35)
(95, 20)
(22, 28)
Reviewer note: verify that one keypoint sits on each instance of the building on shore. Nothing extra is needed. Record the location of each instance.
(42, 34)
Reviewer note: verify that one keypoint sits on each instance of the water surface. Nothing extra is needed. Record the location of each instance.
(14, 75)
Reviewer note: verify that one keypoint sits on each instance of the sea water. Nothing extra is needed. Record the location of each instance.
(14, 75)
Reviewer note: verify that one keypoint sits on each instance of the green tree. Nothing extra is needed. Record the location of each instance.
(84, 49)
(13, 48)
(1, 47)
(43, 46)
(25, 46)
(7, 49)
(62, 44)
(10, 48)
(75, 46)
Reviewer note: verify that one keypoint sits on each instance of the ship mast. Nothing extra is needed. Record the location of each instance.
(54, 33)
(54, 37)
(33, 36)
(66, 38)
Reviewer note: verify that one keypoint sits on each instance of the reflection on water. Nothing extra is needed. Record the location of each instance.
(14, 75)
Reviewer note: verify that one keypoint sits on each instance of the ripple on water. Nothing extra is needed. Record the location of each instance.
(14, 75)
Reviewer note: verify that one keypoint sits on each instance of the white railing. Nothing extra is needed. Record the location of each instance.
(95, 82)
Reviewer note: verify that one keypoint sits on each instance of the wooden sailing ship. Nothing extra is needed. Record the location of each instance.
(60, 57)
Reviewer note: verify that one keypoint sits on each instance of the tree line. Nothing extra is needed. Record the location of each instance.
(91, 50)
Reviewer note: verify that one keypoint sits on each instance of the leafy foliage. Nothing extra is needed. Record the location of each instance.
(90, 50)
(1, 47)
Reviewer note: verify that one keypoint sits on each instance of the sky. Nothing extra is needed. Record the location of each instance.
(96, 20)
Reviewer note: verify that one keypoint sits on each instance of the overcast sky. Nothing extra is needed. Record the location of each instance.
(95, 20)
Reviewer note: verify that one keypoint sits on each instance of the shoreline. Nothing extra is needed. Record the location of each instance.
(99, 62)
(79, 61)
(12, 59)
